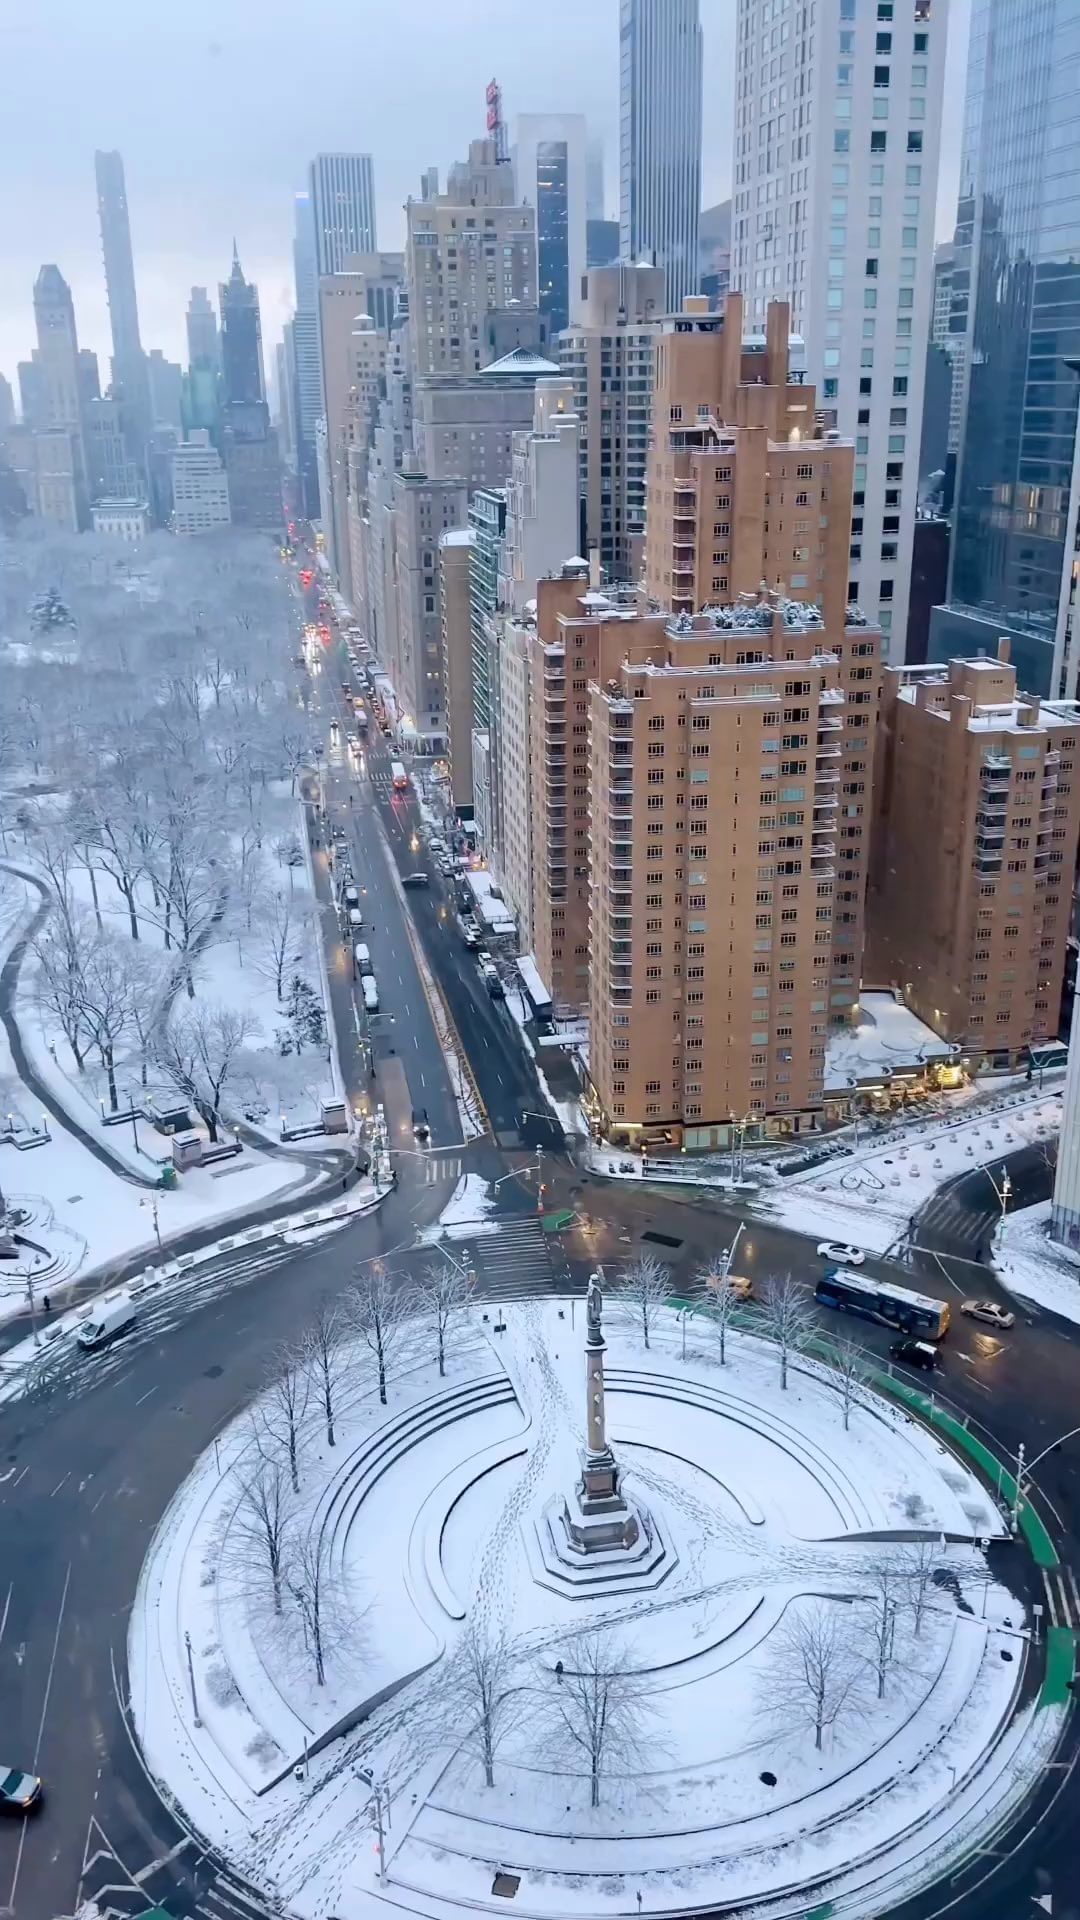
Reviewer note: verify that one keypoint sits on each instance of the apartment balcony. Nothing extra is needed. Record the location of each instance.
(989, 839)
(996, 768)
(826, 777)
(987, 863)
(832, 697)
(828, 754)
(826, 803)
(622, 875)
(825, 851)
(831, 723)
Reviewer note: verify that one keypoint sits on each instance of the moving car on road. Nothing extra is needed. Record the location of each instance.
(420, 1125)
(397, 770)
(841, 1255)
(989, 1311)
(107, 1322)
(415, 880)
(19, 1792)
(914, 1353)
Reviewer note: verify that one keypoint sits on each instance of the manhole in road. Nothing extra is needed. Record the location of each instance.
(662, 1239)
(213, 1373)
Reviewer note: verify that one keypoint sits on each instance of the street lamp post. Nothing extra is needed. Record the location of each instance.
(152, 1203)
(191, 1677)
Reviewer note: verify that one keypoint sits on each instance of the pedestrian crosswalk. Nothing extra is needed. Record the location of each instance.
(442, 1168)
(517, 1262)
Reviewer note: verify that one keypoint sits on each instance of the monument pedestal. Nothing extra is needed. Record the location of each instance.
(599, 1517)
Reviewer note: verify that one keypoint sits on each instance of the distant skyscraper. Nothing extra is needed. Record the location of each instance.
(57, 358)
(89, 377)
(833, 208)
(594, 180)
(241, 338)
(1016, 304)
(660, 138)
(550, 173)
(202, 331)
(306, 360)
(129, 365)
(342, 190)
(7, 406)
(452, 278)
(166, 385)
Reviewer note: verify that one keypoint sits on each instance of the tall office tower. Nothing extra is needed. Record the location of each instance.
(204, 348)
(469, 252)
(608, 356)
(660, 85)
(595, 208)
(111, 472)
(353, 361)
(551, 173)
(1065, 1210)
(7, 406)
(31, 394)
(307, 366)
(166, 379)
(341, 190)
(89, 377)
(718, 947)
(242, 375)
(977, 813)
(285, 376)
(1016, 300)
(129, 364)
(740, 491)
(837, 130)
(423, 511)
(57, 397)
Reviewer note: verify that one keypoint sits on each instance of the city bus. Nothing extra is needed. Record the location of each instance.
(881, 1300)
(398, 774)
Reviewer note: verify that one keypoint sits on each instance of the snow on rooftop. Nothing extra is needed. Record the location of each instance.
(458, 537)
(520, 360)
(888, 1038)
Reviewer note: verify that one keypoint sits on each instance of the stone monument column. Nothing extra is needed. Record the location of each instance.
(598, 1451)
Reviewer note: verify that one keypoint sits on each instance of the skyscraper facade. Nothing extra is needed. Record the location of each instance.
(241, 338)
(1016, 301)
(306, 359)
(341, 189)
(470, 251)
(129, 364)
(837, 129)
(202, 331)
(551, 172)
(660, 83)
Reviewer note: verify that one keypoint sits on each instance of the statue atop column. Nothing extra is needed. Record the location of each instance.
(594, 1309)
(600, 1518)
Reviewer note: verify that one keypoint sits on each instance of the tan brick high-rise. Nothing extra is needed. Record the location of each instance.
(976, 819)
(739, 490)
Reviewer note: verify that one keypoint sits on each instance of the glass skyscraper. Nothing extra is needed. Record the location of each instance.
(1016, 300)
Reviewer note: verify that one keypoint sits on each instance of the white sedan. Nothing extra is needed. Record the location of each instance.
(989, 1311)
(839, 1255)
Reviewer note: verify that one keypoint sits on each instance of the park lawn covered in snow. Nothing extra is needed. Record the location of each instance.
(773, 1512)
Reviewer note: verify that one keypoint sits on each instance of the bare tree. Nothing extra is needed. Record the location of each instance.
(106, 1005)
(440, 1300)
(379, 1313)
(255, 1543)
(919, 1563)
(812, 1675)
(119, 847)
(787, 1317)
(60, 984)
(280, 941)
(644, 1286)
(598, 1710)
(886, 1594)
(279, 1416)
(325, 1356)
(322, 1601)
(477, 1703)
(199, 1049)
(848, 1361)
(149, 977)
(722, 1302)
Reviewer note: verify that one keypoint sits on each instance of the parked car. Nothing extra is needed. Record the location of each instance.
(356, 919)
(19, 1792)
(914, 1353)
(839, 1255)
(989, 1311)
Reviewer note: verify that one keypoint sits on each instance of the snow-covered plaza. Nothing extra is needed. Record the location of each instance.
(804, 1681)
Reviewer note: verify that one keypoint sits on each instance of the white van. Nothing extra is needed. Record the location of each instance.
(362, 957)
(371, 993)
(356, 919)
(106, 1322)
(350, 896)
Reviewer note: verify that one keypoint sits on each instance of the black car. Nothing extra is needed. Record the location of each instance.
(420, 1125)
(915, 1353)
(415, 880)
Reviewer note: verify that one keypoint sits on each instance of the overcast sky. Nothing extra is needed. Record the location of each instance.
(216, 106)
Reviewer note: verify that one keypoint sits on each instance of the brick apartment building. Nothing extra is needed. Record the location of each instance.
(976, 819)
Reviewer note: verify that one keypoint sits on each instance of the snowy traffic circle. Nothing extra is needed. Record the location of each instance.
(825, 1695)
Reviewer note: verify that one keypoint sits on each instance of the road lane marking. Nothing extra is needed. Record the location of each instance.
(7, 1604)
(41, 1728)
(145, 1396)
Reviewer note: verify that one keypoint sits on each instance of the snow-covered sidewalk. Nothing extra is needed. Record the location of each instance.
(1029, 1263)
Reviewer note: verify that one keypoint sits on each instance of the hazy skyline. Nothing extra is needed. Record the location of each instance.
(217, 110)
